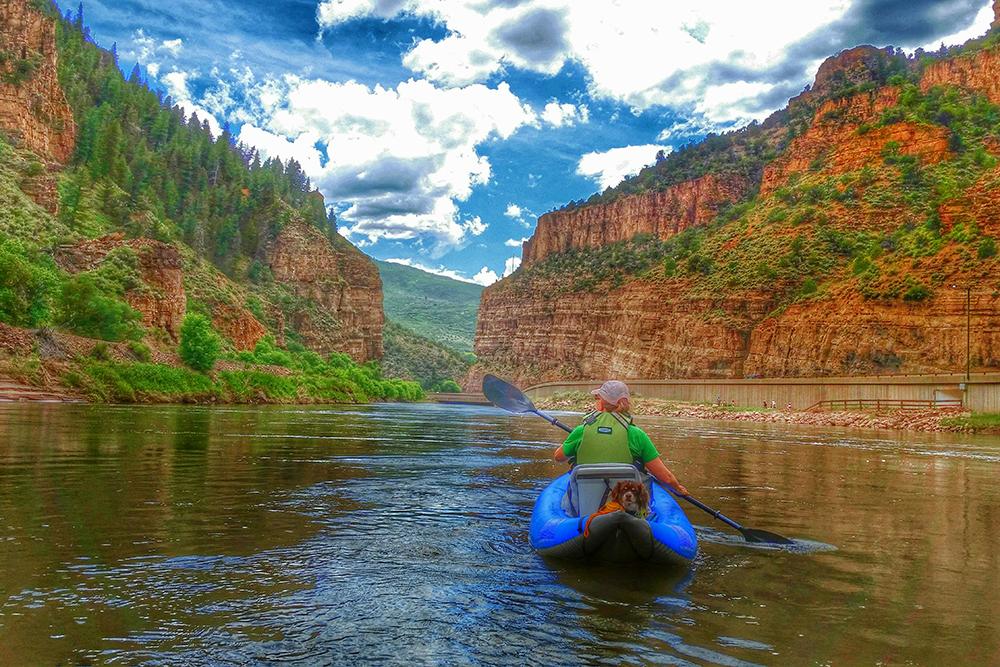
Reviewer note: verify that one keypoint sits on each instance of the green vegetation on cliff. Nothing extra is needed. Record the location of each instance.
(412, 356)
(876, 229)
(432, 306)
(142, 168)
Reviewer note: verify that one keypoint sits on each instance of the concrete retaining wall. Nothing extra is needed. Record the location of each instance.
(981, 394)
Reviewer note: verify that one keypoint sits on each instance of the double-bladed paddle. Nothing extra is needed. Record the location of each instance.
(508, 397)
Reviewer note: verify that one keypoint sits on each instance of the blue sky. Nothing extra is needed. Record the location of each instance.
(440, 129)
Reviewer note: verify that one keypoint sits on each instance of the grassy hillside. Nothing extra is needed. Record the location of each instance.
(435, 307)
(411, 356)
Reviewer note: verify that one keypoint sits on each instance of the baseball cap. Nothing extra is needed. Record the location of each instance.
(612, 391)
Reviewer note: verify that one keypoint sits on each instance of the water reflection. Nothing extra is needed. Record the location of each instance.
(399, 534)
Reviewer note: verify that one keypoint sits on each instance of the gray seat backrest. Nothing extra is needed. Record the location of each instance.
(590, 483)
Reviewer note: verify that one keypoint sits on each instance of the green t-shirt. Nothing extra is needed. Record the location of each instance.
(639, 444)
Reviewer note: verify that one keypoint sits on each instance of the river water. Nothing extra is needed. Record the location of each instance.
(398, 534)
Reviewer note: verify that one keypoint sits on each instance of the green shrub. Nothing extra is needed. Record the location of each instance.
(698, 263)
(87, 309)
(267, 352)
(131, 382)
(140, 351)
(446, 387)
(28, 286)
(200, 344)
(808, 287)
(35, 168)
(987, 248)
(251, 386)
(915, 291)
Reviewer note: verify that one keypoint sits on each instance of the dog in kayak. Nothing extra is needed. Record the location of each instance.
(632, 496)
(626, 496)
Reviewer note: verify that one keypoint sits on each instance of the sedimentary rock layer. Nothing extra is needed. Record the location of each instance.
(33, 108)
(639, 330)
(847, 334)
(833, 143)
(662, 214)
(979, 71)
(341, 280)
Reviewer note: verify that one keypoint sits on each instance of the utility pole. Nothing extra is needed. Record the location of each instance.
(968, 333)
(968, 329)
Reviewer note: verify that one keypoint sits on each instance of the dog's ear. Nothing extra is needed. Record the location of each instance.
(643, 495)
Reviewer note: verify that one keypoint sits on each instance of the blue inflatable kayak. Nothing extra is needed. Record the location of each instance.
(559, 520)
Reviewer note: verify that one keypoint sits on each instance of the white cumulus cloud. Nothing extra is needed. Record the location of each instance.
(438, 270)
(516, 243)
(638, 52)
(150, 52)
(609, 167)
(399, 159)
(511, 265)
(485, 277)
(475, 226)
(173, 46)
(558, 115)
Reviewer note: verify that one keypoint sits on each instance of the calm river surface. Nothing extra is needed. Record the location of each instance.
(398, 534)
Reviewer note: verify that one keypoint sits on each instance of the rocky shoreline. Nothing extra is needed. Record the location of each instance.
(935, 421)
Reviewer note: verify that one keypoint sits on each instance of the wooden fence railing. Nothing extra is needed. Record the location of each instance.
(879, 404)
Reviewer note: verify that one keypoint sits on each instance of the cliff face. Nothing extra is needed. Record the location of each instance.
(33, 108)
(853, 258)
(238, 325)
(639, 330)
(343, 283)
(661, 214)
(833, 145)
(979, 71)
(849, 335)
(162, 300)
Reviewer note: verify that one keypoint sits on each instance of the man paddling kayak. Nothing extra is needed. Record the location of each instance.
(608, 435)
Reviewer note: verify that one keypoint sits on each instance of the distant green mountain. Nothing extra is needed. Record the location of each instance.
(413, 357)
(435, 307)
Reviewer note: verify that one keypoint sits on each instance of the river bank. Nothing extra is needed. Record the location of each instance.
(939, 421)
(46, 365)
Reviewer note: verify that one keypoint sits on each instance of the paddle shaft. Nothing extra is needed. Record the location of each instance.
(553, 421)
(716, 513)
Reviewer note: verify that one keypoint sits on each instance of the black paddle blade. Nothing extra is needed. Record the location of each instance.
(506, 396)
(764, 537)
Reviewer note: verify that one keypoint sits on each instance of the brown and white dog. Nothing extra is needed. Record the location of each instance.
(633, 497)
(625, 496)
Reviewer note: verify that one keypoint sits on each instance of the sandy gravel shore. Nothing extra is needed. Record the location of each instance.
(902, 420)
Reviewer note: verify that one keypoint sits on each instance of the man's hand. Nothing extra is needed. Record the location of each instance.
(679, 488)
